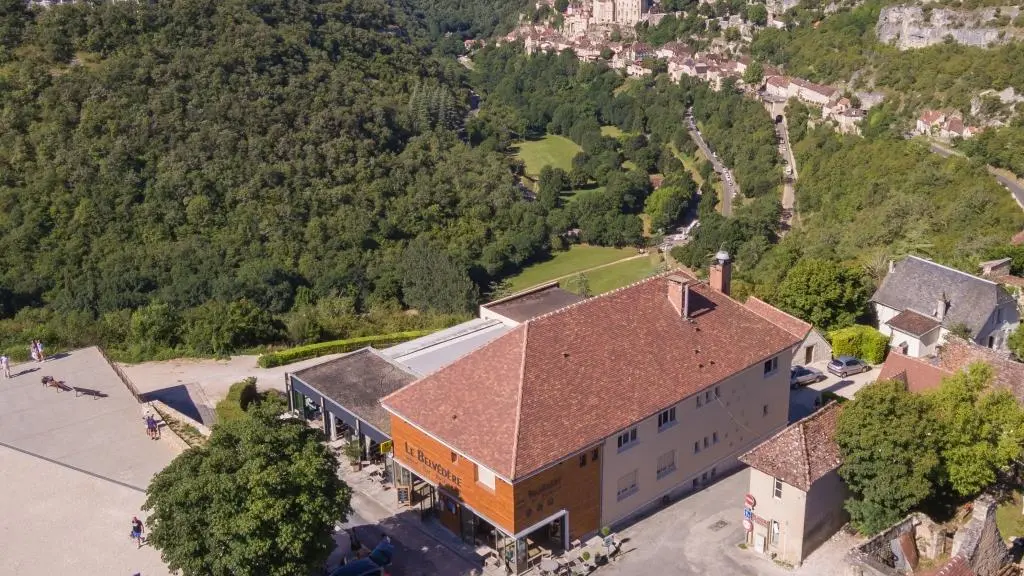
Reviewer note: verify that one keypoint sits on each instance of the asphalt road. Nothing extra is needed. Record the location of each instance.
(728, 180)
(788, 191)
(1009, 183)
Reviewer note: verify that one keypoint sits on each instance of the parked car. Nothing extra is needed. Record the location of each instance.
(802, 376)
(847, 365)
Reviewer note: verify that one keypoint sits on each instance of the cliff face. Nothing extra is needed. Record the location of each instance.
(912, 27)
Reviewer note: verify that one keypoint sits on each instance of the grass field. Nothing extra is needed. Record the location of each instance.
(618, 275)
(1009, 518)
(551, 150)
(613, 131)
(578, 257)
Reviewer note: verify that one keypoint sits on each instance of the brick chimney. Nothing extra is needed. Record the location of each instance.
(721, 272)
(941, 305)
(679, 294)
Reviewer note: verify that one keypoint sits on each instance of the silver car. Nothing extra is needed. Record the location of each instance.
(847, 365)
(803, 376)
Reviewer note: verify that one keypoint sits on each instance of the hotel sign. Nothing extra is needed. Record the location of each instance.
(438, 468)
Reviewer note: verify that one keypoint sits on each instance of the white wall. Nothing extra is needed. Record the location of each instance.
(737, 417)
(884, 314)
(788, 511)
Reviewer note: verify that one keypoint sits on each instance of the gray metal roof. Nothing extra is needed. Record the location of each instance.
(430, 353)
(357, 381)
(918, 284)
(534, 303)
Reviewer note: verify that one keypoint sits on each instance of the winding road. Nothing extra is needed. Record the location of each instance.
(788, 191)
(728, 180)
(1011, 184)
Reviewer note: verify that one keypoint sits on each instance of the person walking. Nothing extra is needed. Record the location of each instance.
(5, 365)
(39, 349)
(152, 428)
(137, 529)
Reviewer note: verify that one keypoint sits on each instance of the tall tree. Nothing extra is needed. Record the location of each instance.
(433, 280)
(889, 444)
(826, 294)
(260, 497)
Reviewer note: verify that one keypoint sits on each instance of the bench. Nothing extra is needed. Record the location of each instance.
(88, 392)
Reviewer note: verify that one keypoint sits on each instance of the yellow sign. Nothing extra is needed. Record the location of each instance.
(385, 447)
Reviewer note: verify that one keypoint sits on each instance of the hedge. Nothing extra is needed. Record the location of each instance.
(336, 347)
(240, 396)
(863, 342)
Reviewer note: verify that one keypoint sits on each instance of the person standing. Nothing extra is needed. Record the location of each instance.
(39, 349)
(137, 529)
(32, 351)
(5, 365)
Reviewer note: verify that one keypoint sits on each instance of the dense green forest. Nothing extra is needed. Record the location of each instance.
(240, 172)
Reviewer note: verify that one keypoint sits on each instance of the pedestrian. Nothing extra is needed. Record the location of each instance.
(39, 349)
(152, 428)
(5, 365)
(137, 530)
(33, 352)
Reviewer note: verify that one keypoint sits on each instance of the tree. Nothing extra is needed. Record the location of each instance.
(982, 429)
(579, 284)
(889, 446)
(961, 330)
(551, 183)
(824, 293)
(757, 14)
(260, 497)
(432, 280)
(665, 205)
(754, 73)
(1015, 342)
(561, 5)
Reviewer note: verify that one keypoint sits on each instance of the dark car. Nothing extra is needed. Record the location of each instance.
(802, 376)
(847, 365)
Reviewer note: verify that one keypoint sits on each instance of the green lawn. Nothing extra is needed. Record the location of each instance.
(577, 257)
(689, 164)
(619, 275)
(613, 131)
(551, 150)
(1009, 518)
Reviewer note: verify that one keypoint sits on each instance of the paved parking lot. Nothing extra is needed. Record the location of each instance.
(700, 535)
(802, 399)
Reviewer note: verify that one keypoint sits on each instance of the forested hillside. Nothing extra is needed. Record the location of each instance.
(238, 172)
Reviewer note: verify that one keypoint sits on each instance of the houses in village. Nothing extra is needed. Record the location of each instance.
(944, 124)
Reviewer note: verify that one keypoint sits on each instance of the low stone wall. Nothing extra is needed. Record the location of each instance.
(167, 433)
(875, 557)
(979, 540)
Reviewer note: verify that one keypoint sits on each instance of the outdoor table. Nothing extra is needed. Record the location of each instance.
(549, 565)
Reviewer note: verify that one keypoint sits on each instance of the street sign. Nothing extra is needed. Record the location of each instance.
(750, 501)
(385, 447)
(748, 525)
(747, 514)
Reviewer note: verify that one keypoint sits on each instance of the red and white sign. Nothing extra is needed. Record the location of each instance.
(748, 525)
(750, 501)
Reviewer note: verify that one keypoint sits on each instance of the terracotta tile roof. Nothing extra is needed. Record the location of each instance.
(913, 323)
(779, 81)
(917, 373)
(932, 117)
(956, 354)
(803, 452)
(956, 566)
(787, 322)
(610, 362)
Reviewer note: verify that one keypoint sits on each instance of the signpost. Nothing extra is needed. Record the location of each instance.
(749, 501)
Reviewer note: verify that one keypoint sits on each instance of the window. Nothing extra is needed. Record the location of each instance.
(485, 477)
(700, 401)
(627, 439)
(666, 464)
(705, 441)
(778, 489)
(714, 471)
(999, 315)
(455, 457)
(593, 456)
(627, 486)
(771, 366)
(694, 483)
(764, 410)
(583, 460)
(714, 437)
(718, 393)
(666, 418)
(707, 396)
(696, 447)
(775, 532)
(704, 478)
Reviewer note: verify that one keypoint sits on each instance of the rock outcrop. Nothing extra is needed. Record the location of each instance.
(915, 27)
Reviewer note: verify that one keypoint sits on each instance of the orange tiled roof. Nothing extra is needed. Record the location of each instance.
(917, 373)
(803, 452)
(562, 382)
(787, 322)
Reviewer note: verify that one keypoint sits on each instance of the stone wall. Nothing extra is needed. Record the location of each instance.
(875, 557)
(912, 27)
(979, 540)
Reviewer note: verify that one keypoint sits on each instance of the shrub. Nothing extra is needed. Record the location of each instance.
(240, 396)
(335, 347)
(864, 342)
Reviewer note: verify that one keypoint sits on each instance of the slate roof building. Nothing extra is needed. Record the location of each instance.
(587, 415)
(795, 488)
(920, 301)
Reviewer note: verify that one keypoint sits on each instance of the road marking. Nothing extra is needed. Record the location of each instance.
(75, 468)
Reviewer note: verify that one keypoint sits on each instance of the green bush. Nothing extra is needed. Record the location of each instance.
(240, 396)
(863, 342)
(336, 347)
